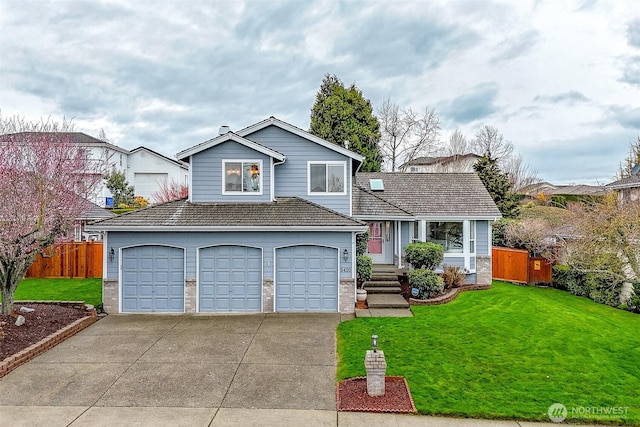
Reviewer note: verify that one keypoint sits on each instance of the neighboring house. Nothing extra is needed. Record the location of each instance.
(547, 190)
(90, 213)
(270, 224)
(628, 188)
(149, 170)
(451, 209)
(454, 163)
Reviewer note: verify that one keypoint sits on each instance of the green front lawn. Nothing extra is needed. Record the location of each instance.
(87, 290)
(509, 352)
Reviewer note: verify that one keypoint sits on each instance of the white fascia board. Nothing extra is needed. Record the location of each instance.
(230, 136)
(383, 218)
(301, 133)
(150, 228)
(459, 218)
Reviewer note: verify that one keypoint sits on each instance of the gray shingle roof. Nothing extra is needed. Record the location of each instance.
(630, 181)
(367, 203)
(432, 194)
(284, 212)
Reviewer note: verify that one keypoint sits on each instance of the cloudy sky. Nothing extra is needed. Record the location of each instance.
(560, 79)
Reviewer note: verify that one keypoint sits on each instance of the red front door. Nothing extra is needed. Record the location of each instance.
(375, 238)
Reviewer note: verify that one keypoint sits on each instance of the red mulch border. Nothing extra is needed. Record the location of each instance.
(366, 403)
(448, 296)
(12, 362)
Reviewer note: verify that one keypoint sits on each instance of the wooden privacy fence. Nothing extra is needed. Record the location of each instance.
(73, 259)
(515, 265)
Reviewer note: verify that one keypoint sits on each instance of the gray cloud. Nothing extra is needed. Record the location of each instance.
(625, 116)
(631, 71)
(514, 47)
(477, 104)
(633, 33)
(571, 97)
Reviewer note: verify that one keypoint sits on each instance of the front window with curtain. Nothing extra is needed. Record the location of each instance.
(242, 177)
(447, 234)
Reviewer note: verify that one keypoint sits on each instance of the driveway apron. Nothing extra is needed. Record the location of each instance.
(260, 361)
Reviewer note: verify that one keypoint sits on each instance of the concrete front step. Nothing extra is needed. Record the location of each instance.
(384, 276)
(384, 290)
(381, 283)
(386, 301)
(384, 268)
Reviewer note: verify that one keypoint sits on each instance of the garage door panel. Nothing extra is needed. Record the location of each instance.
(230, 278)
(306, 278)
(153, 279)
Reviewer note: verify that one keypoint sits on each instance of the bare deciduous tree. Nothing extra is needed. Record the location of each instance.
(405, 134)
(169, 191)
(520, 174)
(633, 159)
(458, 144)
(490, 142)
(44, 178)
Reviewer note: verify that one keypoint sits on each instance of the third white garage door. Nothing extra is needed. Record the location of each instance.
(307, 278)
(230, 279)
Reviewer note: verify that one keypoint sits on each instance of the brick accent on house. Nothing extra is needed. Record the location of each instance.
(268, 303)
(347, 295)
(483, 270)
(190, 295)
(10, 363)
(110, 296)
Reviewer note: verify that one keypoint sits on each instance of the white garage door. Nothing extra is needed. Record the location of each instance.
(145, 184)
(307, 279)
(153, 279)
(230, 279)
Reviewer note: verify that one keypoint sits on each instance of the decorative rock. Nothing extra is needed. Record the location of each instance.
(20, 320)
(376, 367)
(27, 310)
(88, 307)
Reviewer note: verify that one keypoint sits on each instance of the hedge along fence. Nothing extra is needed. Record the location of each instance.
(601, 286)
(73, 259)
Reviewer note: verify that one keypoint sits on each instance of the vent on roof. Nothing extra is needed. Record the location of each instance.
(376, 184)
(224, 129)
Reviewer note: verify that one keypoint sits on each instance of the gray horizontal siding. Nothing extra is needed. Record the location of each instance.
(265, 240)
(207, 173)
(291, 177)
(482, 238)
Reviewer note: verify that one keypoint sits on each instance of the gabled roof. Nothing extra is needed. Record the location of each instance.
(367, 204)
(93, 212)
(284, 214)
(440, 195)
(628, 182)
(272, 121)
(180, 163)
(230, 136)
(76, 138)
(443, 160)
(548, 189)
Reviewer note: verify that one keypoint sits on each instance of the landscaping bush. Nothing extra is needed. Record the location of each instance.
(362, 243)
(364, 267)
(633, 304)
(601, 287)
(424, 255)
(498, 232)
(453, 277)
(428, 283)
(560, 276)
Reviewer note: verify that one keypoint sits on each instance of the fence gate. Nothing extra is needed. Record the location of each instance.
(515, 265)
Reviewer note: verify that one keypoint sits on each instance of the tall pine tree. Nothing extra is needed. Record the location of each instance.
(498, 185)
(343, 116)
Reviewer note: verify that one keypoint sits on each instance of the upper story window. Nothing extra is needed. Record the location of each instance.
(242, 177)
(327, 177)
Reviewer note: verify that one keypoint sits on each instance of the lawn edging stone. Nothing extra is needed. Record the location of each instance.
(12, 362)
(448, 296)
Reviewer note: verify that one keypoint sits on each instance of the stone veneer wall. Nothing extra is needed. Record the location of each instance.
(110, 296)
(484, 273)
(190, 295)
(268, 304)
(347, 295)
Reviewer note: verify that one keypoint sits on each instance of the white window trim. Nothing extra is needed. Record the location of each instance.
(422, 230)
(327, 163)
(242, 193)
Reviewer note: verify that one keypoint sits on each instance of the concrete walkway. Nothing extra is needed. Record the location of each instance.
(152, 370)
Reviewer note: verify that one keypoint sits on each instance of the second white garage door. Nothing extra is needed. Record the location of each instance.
(230, 279)
(307, 278)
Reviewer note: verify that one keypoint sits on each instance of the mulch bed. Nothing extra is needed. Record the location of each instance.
(352, 396)
(45, 320)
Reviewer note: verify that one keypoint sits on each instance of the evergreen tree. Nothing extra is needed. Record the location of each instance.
(123, 193)
(498, 185)
(344, 117)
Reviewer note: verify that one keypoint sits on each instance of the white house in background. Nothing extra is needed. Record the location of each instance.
(142, 167)
(462, 163)
(148, 169)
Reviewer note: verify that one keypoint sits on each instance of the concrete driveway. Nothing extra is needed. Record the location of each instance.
(174, 366)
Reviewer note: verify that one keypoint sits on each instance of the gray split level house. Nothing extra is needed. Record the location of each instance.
(270, 225)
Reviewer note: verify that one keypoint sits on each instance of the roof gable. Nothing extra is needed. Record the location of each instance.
(230, 136)
(161, 156)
